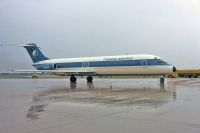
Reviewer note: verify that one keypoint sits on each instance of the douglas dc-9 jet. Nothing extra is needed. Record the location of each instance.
(141, 64)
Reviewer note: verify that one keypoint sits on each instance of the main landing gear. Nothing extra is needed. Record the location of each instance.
(89, 79)
(73, 79)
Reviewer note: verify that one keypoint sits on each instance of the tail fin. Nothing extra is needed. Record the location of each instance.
(35, 53)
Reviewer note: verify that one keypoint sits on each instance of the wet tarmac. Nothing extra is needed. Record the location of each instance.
(107, 105)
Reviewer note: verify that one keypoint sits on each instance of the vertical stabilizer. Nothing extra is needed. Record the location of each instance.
(35, 53)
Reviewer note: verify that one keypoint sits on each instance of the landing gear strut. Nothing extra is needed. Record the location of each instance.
(89, 79)
(72, 79)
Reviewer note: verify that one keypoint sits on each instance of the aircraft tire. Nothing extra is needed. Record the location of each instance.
(89, 79)
(162, 80)
(73, 79)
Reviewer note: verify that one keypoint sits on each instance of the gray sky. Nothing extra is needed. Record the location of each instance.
(75, 28)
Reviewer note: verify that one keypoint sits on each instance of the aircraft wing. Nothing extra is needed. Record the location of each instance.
(61, 72)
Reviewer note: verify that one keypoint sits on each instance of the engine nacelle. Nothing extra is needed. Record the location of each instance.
(46, 66)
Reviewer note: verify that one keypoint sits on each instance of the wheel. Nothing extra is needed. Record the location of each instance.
(73, 79)
(162, 80)
(89, 79)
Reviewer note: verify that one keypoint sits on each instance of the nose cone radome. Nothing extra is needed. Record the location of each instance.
(174, 69)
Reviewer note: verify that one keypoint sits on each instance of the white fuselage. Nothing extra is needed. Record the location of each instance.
(110, 65)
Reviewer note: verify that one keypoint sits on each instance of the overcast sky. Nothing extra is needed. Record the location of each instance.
(75, 28)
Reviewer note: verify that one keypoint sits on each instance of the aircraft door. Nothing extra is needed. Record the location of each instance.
(144, 63)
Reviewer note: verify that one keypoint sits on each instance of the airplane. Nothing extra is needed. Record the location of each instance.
(141, 64)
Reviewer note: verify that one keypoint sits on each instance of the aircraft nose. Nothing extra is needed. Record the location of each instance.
(174, 69)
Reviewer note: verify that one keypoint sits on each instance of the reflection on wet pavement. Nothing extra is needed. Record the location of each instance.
(106, 93)
(106, 105)
(34, 111)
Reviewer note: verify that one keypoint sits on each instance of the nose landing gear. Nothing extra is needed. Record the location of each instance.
(162, 80)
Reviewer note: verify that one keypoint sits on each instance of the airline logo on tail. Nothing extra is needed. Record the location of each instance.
(35, 53)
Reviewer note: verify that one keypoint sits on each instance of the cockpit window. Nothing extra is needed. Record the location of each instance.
(161, 62)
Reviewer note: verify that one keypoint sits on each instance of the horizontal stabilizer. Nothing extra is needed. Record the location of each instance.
(18, 45)
(33, 51)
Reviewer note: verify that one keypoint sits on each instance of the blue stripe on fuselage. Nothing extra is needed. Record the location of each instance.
(147, 62)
